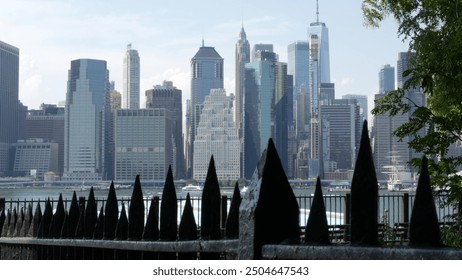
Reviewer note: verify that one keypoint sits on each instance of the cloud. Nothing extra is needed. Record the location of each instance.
(346, 82)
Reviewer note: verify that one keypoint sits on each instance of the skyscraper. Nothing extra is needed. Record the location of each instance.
(257, 48)
(267, 107)
(342, 136)
(382, 125)
(217, 136)
(143, 143)
(242, 57)
(168, 97)
(131, 78)
(362, 103)
(206, 74)
(9, 103)
(297, 66)
(320, 30)
(86, 101)
(386, 79)
(47, 123)
(389, 149)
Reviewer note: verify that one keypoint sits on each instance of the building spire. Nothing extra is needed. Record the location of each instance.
(317, 11)
(203, 44)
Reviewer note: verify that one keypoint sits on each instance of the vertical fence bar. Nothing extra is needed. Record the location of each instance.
(406, 208)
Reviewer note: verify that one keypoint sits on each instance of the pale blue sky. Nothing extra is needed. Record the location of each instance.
(167, 34)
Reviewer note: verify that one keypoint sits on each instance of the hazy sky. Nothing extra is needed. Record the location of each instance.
(167, 34)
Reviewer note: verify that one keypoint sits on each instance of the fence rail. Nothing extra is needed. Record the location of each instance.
(269, 222)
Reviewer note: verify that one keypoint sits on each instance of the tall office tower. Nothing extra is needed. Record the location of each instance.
(302, 114)
(242, 57)
(131, 77)
(257, 48)
(322, 33)
(143, 143)
(9, 104)
(388, 149)
(282, 111)
(85, 120)
(47, 123)
(342, 136)
(168, 97)
(206, 74)
(297, 66)
(217, 136)
(362, 103)
(413, 95)
(382, 124)
(386, 79)
(266, 109)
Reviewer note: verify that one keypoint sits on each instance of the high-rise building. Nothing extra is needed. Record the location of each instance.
(47, 123)
(131, 78)
(85, 120)
(143, 143)
(35, 157)
(9, 103)
(206, 74)
(414, 96)
(217, 136)
(258, 48)
(242, 57)
(382, 124)
(297, 66)
(386, 79)
(342, 119)
(267, 106)
(322, 33)
(389, 149)
(362, 103)
(168, 97)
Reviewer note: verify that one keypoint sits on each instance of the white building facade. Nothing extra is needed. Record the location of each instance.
(131, 76)
(217, 136)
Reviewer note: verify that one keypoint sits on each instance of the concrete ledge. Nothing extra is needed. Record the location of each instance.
(212, 246)
(290, 252)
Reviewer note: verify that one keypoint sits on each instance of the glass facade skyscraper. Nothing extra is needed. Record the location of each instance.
(297, 65)
(320, 30)
(84, 133)
(9, 103)
(267, 106)
(206, 74)
(386, 79)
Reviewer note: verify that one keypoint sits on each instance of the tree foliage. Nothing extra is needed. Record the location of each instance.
(433, 29)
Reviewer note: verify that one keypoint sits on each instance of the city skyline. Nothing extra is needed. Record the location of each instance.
(167, 43)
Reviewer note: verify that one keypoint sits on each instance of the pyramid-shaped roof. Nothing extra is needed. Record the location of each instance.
(207, 52)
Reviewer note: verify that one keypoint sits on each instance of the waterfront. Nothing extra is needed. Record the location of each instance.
(391, 204)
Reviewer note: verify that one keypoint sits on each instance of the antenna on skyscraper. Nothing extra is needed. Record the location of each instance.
(203, 41)
(317, 11)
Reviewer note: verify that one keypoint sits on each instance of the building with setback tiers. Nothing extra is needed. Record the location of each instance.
(206, 74)
(217, 136)
(84, 122)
